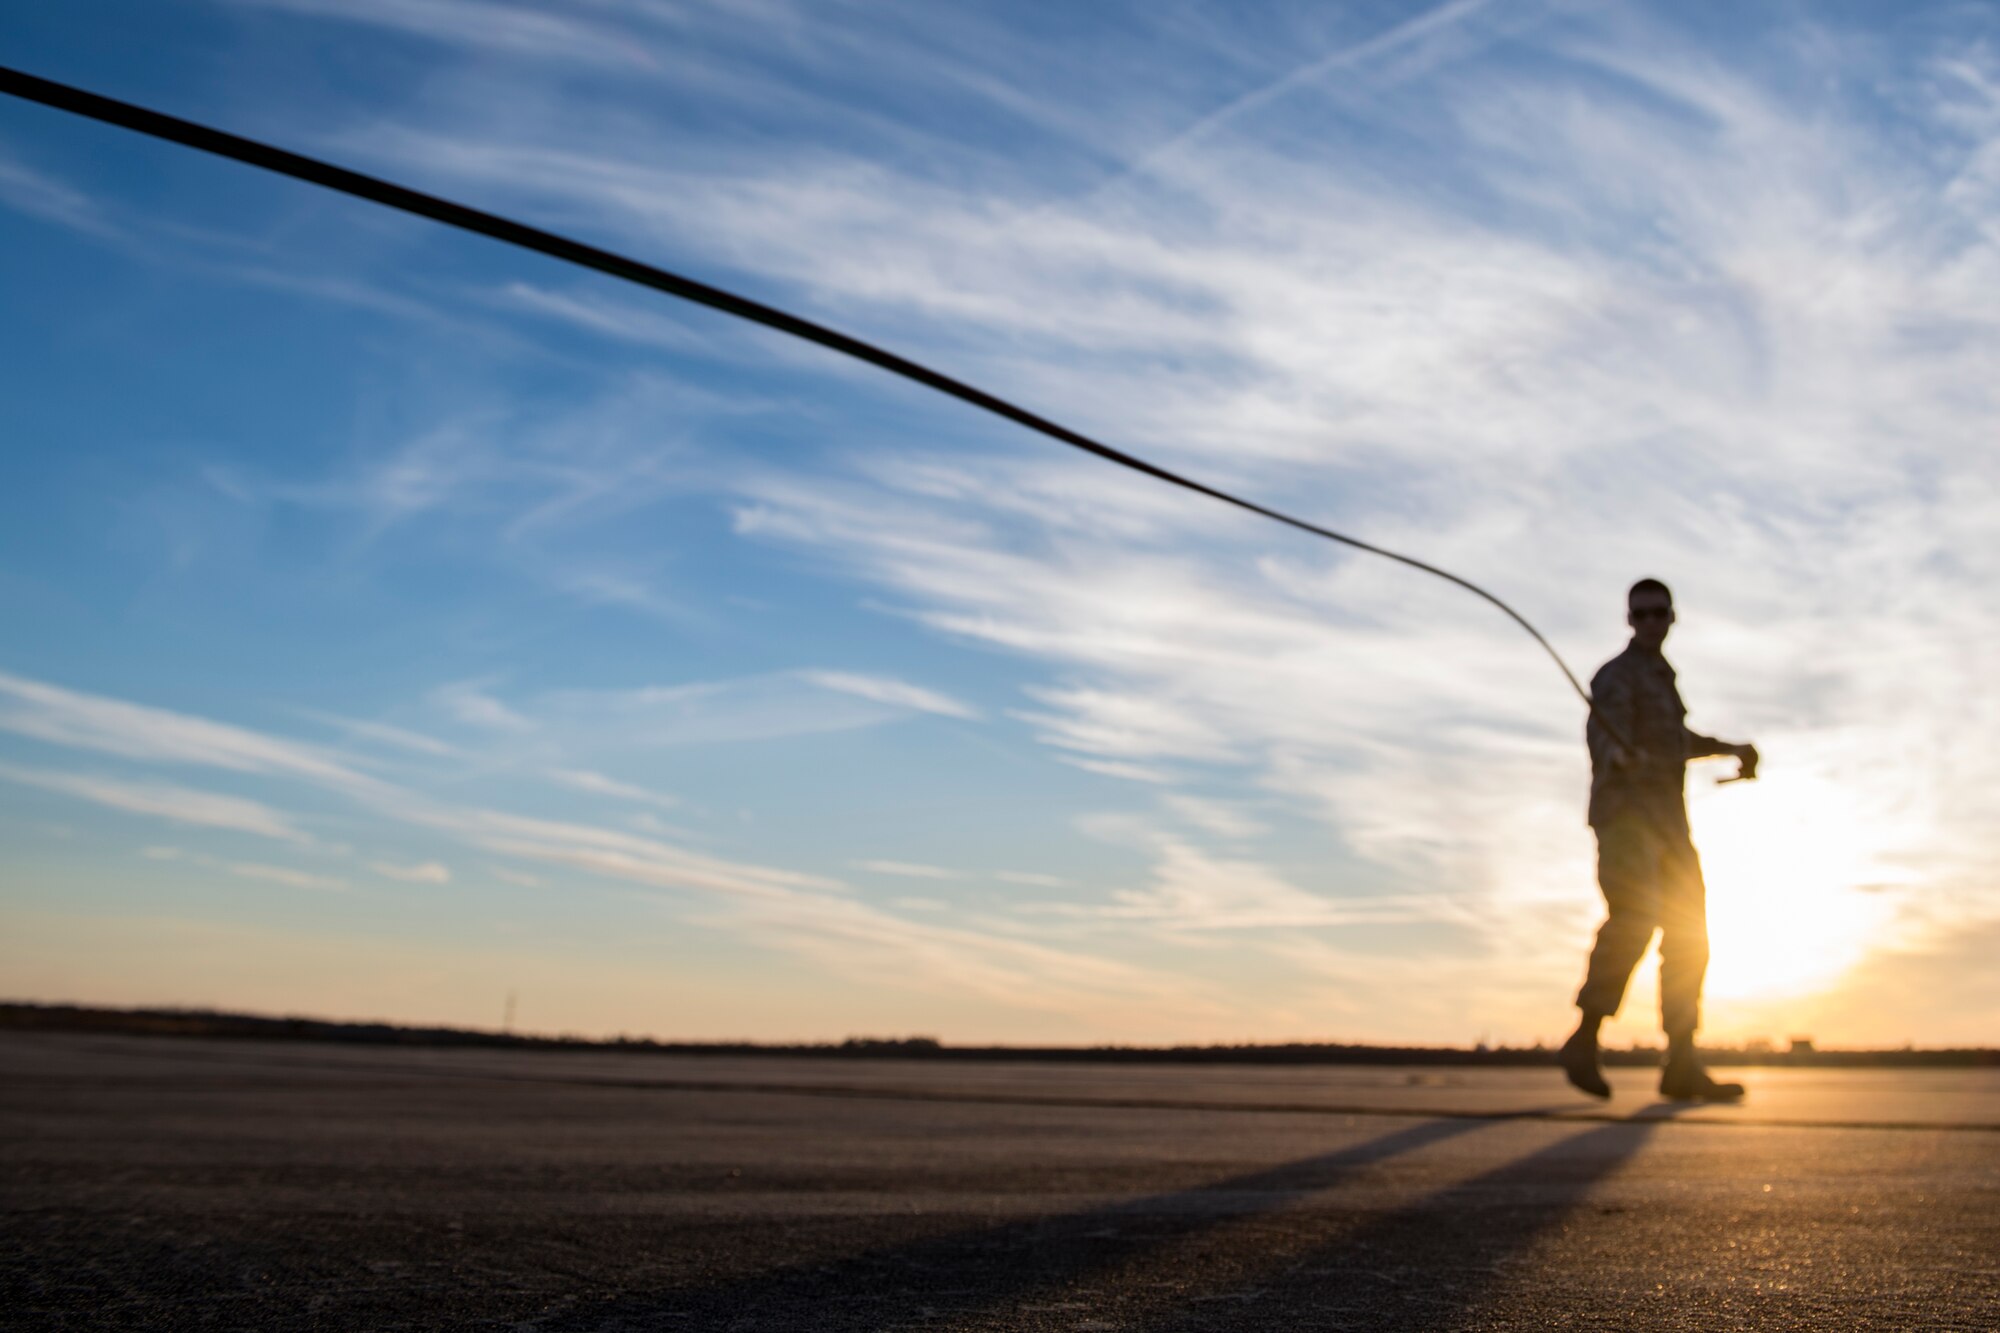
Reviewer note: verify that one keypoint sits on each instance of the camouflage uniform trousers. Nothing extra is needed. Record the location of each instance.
(1651, 878)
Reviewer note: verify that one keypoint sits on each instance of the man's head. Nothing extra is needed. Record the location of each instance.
(1649, 610)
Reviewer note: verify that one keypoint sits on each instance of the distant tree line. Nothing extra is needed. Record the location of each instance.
(28, 1017)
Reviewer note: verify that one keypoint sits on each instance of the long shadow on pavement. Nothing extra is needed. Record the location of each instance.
(1428, 1265)
(1027, 1274)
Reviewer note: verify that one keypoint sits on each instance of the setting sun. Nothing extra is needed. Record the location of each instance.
(1795, 870)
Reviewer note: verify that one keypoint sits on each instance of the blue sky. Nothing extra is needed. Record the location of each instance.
(390, 621)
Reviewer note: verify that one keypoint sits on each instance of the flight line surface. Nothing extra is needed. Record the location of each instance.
(179, 1183)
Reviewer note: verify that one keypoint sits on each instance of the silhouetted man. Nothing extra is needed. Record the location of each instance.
(1646, 862)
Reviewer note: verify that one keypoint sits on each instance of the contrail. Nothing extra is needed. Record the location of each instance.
(1444, 16)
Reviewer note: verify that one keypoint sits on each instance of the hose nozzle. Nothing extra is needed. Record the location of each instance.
(1746, 770)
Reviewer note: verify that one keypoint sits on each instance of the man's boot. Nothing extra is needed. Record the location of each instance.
(1578, 1058)
(1684, 1080)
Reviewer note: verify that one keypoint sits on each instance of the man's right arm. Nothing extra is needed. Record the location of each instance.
(1613, 707)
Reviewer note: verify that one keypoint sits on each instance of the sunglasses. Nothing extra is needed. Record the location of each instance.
(1653, 613)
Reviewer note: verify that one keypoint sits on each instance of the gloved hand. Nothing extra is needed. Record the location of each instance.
(1746, 760)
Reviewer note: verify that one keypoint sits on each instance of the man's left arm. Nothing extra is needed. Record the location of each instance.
(1702, 747)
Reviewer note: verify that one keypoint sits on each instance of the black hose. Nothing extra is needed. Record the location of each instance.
(63, 97)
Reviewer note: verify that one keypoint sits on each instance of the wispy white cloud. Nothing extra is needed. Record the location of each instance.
(525, 31)
(1101, 722)
(762, 707)
(285, 875)
(627, 321)
(400, 738)
(25, 189)
(886, 690)
(647, 822)
(66, 717)
(614, 852)
(289, 876)
(809, 914)
(1119, 768)
(597, 783)
(1030, 878)
(1225, 819)
(1196, 891)
(80, 720)
(907, 870)
(181, 805)
(423, 872)
(614, 587)
(859, 940)
(470, 702)
(546, 472)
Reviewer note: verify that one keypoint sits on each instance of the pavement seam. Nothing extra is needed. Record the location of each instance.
(1654, 1114)
(1660, 1117)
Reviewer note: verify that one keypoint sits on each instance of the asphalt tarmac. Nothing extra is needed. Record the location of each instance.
(171, 1183)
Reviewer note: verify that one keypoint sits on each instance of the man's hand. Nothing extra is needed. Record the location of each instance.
(1746, 757)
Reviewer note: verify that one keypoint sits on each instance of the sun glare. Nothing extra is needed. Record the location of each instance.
(1794, 873)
